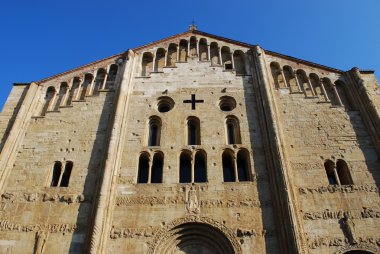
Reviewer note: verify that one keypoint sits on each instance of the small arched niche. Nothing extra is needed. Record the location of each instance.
(143, 168)
(200, 167)
(227, 103)
(226, 58)
(233, 130)
(165, 104)
(193, 131)
(185, 167)
(157, 167)
(147, 64)
(172, 55)
(155, 125)
(228, 166)
(203, 50)
(160, 59)
(214, 54)
(239, 61)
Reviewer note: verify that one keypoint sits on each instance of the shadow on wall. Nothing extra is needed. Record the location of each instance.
(81, 237)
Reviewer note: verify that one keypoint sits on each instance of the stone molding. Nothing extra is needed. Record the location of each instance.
(164, 233)
(338, 189)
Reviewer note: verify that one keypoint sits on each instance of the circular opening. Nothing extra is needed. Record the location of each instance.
(227, 103)
(165, 104)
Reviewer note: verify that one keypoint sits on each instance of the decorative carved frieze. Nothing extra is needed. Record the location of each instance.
(207, 203)
(339, 188)
(132, 232)
(320, 242)
(68, 198)
(328, 214)
(6, 225)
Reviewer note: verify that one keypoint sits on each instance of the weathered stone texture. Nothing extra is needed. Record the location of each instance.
(300, 132)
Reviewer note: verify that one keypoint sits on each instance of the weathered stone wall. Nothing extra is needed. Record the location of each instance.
(314, 131)
(141, 210)
(29, 205)
(10, 110)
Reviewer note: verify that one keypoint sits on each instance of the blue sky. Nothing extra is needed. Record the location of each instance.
(41, 38)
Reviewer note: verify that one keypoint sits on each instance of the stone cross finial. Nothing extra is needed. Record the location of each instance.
(192, 26)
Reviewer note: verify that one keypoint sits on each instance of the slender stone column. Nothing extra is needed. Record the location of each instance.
(150, 170)
(311, 87)
(209, 53)
(197, 43)
(154, 67)
(192, 168)
(93, 81)
(188, 48)
(220, 56)
(105, 77)
(232, 61)
(178, 51)
(52, 101)
(166, 57)
(297, 82)
(81, 81)
(323, 90)
(336, 175)
(337, 96)
(236, 169)
(65, 97)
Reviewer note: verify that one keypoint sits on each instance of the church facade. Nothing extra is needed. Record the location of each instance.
(192, 144)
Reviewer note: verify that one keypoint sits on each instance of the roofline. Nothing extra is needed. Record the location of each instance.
(194, 32)
(78, 68)
(21, 83)
(303, 61)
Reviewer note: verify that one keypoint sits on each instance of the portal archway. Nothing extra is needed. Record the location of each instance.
(195, 235)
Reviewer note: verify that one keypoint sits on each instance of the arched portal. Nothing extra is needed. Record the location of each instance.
(195, 238)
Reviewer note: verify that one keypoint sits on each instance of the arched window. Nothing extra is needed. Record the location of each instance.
(112, 73)
(277, 75)
(200, 170)
(226, 58)
(228, 166)
(330, 172)
(243, 165)
(49, 100)
(147, 64)
(193, 131)
(330, 91)
(315, 83)
(61, 101)
(203, 50)
(214, 54)
(73, 90)
(160, 59)
(157, 167)
(143, 171)
(233, 130)
(183, 51)
(239, 62)
(66, 174)
(85, 88)
(185, 167)
(98, 85)
(154, 131)
(290, 79)
(57, 169)
(342, 93)
(343, 173)
(303, 83)
(172, 55)
(193, 46)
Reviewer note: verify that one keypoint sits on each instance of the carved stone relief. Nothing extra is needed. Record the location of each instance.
(207, 203)
(192, 200)
(319, 242)
(338, 188)
(41, 238)
(164, 233)
(327, 214)
(68, 198)
(6, 225)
